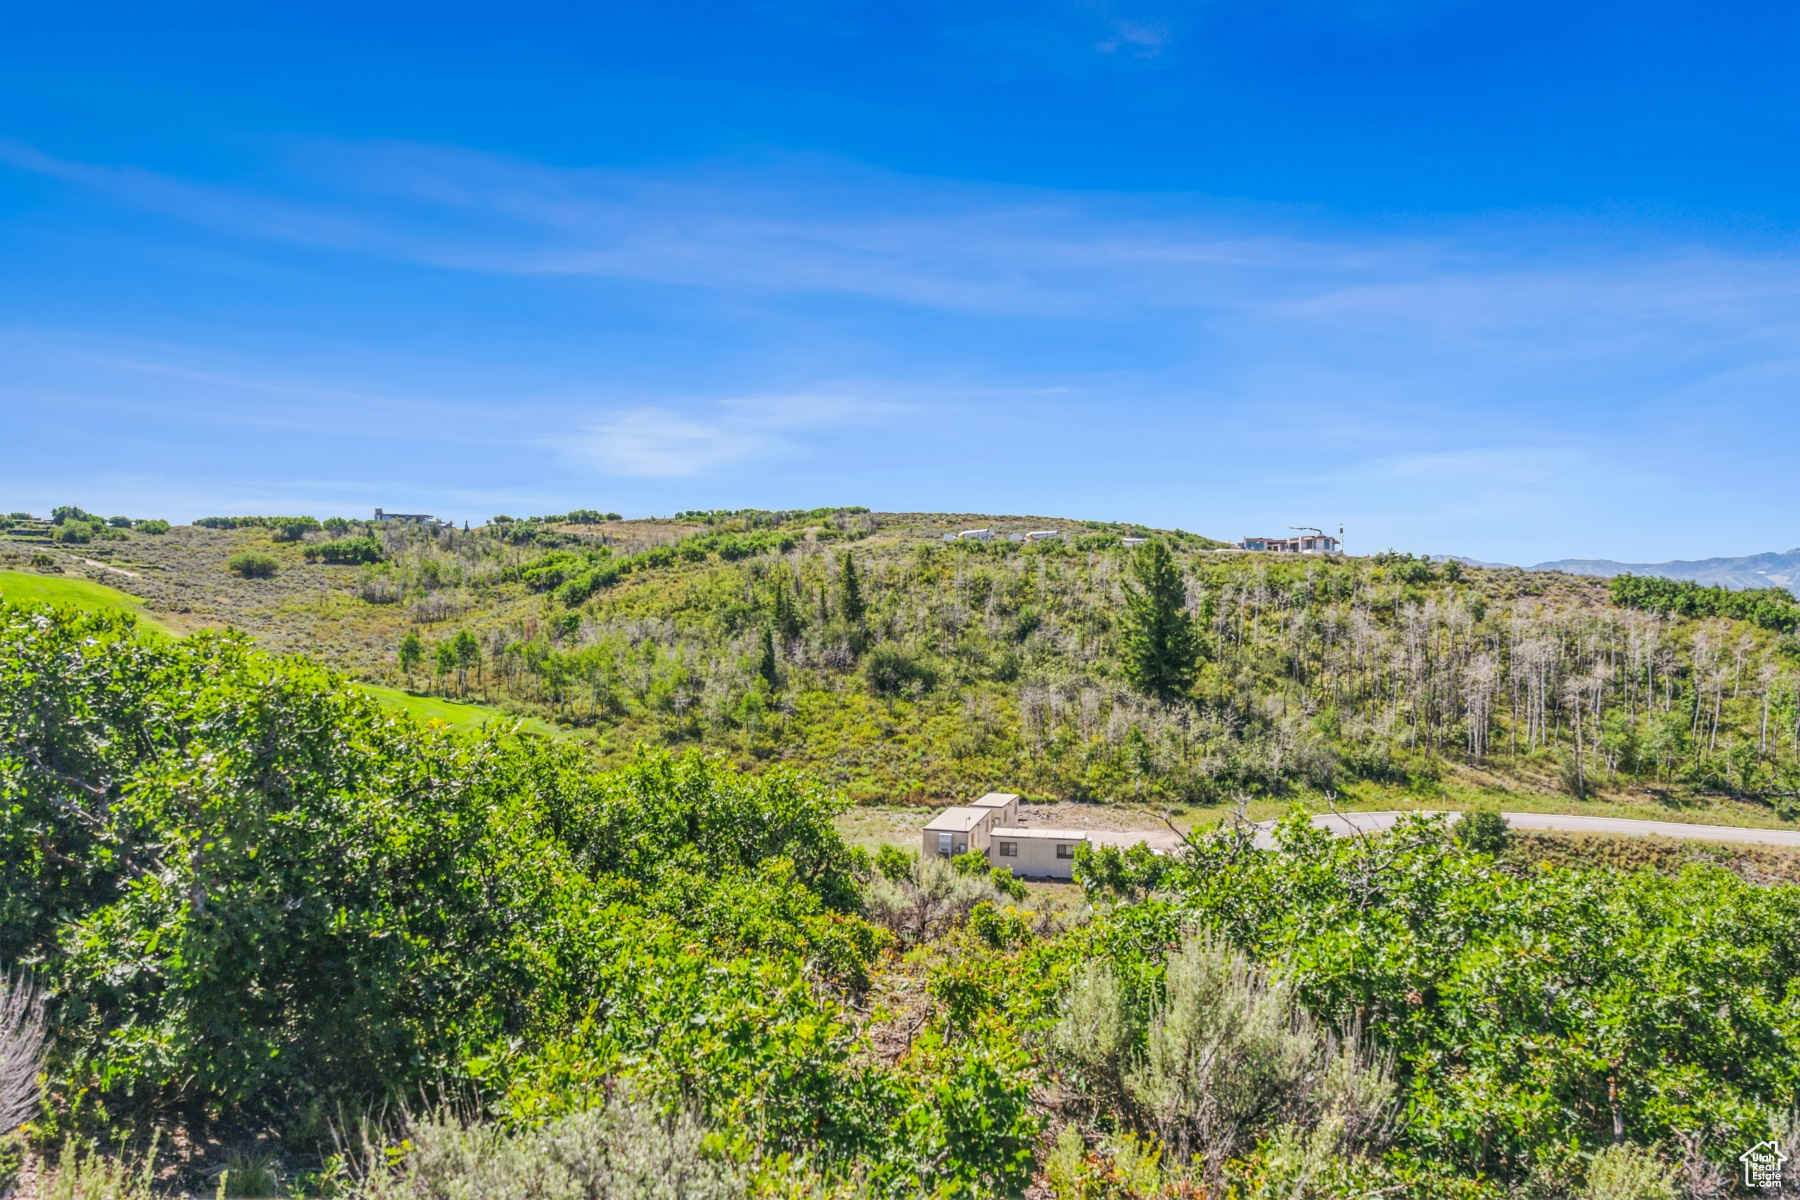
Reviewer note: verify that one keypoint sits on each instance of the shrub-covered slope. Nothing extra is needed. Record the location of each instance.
(900, 666)
(260, 902)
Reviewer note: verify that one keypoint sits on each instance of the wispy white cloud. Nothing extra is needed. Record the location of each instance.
(661, 443)
(657, 443)
(791, 226)
(805, 227)
(1143, 38)
(1421, 373)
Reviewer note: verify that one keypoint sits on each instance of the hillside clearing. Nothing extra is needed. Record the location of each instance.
(81, 594)
(457, 714)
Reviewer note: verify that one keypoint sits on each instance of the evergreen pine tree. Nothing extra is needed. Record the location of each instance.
(786, 618)
(850, 597)
(766, 667)
(1160, 646)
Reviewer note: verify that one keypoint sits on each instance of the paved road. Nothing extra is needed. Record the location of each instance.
(1370, 822)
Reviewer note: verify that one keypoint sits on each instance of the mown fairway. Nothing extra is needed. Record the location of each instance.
(85, 595)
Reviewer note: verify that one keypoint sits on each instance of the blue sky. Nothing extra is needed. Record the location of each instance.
(1513, 280)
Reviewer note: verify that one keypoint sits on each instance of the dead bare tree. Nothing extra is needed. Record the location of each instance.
(23, 1045)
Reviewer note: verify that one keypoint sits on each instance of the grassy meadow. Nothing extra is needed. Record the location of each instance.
(83, 594)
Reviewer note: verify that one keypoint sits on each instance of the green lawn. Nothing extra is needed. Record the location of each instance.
(83, 594)
(454, 713)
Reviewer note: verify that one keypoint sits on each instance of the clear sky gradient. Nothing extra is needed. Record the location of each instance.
(1513, 280)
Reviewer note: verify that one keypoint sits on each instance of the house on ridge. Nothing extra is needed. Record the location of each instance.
(1303, 543)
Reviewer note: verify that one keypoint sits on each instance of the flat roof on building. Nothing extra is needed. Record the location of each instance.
(994, 800)
(957, 820)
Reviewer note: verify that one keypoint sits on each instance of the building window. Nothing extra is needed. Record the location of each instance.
(1009, 849)
(1065, 850)
(944, 844)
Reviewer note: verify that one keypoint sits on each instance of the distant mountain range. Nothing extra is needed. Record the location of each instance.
(1750, 571)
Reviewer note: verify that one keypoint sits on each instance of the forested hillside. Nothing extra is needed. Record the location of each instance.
(901, 666)
(265, 938)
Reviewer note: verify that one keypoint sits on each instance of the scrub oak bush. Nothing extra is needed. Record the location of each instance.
(354, 551)
(253, 564)
(255, 897)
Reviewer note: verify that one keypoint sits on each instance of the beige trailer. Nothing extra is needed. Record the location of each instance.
(991, 826)
(958, 831)
(1005, 806)
(1036, 853)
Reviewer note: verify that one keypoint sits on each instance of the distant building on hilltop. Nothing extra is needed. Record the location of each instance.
(1308, 542)
(409, 518)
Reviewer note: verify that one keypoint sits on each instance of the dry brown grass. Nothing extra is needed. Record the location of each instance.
(1762, 865)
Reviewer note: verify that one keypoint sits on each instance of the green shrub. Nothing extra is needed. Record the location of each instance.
(1483, 831)
(253, 564)
(84, 1172)
(251, 1175)
(250, 522)
(1007, 885)
(1411, 570)
(78, 533)
(472, 892)
(895, 864)
(12, 1159)
(625, 1150)
(931, 902)
(154, 525)
(1227, 1055)
(353, 551)
(1489, 983)
(1629, 1172)
(43, 562)
(1573, 778)
(553, 570)
(291, 529)
(579, 589)
(891, 671)
(972, 863)
(1771, 607)
(1127, 874)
